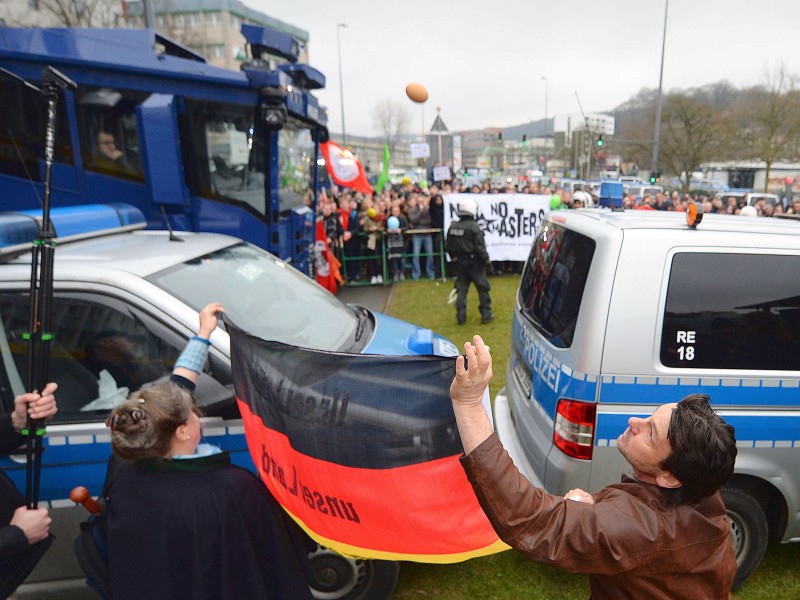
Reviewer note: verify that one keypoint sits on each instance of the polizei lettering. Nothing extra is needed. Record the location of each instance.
(539, 360)
(331, 506)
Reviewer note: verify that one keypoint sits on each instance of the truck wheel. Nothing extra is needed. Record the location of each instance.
(337, 577)
(749, 530)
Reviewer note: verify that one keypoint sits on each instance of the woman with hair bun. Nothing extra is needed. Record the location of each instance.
(183, 522)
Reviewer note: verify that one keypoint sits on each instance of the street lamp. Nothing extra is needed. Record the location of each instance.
(341, 87)
(657, 128)
(545, 121)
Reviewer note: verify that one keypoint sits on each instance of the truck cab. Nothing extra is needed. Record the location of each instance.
(192, 146)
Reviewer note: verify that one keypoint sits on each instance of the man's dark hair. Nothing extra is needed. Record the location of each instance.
(703, 450)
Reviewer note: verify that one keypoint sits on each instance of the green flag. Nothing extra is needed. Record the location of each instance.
(384, 176)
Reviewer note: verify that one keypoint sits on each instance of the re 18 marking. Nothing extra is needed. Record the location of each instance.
(686, 337)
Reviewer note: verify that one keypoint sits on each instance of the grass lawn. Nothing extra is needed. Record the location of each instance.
(508, 575)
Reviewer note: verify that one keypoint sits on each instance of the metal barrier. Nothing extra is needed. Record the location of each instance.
(359, 264)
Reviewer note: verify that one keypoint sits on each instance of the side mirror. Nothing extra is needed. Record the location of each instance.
(320, 134)
(273, 108)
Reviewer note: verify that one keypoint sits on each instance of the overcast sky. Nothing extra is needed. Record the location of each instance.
(483, 61)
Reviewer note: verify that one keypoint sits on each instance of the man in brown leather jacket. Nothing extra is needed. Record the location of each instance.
(662, 533)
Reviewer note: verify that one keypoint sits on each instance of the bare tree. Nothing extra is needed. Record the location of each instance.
(392, 118)
(84, 13)
(634, 120)
(180, 28)
(767, 121)
(689, 135)
(633, 137)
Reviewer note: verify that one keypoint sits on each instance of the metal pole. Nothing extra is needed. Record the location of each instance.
(439, 133)
(657, 128)
(341, 86)
(546, 128)
(149, 15)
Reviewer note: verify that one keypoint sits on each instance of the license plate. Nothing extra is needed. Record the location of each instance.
(523, 377)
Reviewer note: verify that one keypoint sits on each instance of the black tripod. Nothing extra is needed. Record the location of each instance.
(41, 291)
(15, 568)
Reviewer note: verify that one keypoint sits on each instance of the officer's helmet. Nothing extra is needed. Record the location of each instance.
(468, 206)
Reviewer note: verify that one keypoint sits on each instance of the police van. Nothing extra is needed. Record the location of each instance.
(125, 302)
(621, 311)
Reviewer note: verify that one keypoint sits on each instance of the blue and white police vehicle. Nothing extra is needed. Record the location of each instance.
(620, 311)
(126, 300)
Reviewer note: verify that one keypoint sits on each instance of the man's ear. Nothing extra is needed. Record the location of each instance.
(666, 479)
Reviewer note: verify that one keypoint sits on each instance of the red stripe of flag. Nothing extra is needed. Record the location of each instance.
(425, 512)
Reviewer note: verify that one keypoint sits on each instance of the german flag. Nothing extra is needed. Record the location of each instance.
(361, 450)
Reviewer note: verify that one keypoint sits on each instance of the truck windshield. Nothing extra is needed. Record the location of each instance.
(552, 284)
(265, 296)
(296, 162)
(225, 157)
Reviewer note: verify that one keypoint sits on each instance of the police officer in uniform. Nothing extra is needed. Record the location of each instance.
(465, 245)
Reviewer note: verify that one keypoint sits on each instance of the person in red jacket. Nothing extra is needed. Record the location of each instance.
(662, 533)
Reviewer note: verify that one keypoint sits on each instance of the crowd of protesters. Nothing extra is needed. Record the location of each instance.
(719, 204)
(361, 232)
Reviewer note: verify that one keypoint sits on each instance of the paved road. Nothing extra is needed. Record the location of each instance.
(373, 297)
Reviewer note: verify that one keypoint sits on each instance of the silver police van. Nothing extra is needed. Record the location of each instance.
(620, 311)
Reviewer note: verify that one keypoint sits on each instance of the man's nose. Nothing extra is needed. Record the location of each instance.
(634, 423)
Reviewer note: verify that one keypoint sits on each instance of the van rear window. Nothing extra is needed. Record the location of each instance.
(732, 311)
(551, 290)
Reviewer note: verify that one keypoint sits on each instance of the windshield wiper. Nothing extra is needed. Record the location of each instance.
(538, 324)
(363, 317)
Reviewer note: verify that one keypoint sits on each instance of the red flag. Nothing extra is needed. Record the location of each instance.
(361, 450)
(344, 168)
(326, 264)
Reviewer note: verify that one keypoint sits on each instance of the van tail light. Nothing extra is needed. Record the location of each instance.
(573, 431)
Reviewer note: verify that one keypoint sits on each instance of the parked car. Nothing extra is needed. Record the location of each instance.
(640, 191)
(740, 197)
(771, 199)
(125, 303)
(619, 312)
(570, 185)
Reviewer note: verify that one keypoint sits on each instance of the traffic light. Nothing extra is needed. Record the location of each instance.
(600, 141)
(500, 138)
(524, 138)
(655, 177)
